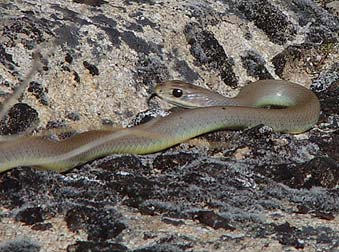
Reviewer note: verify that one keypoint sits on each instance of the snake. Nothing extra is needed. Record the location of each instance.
(294, 109)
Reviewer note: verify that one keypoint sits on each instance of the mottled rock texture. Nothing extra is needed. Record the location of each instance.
(250, 190)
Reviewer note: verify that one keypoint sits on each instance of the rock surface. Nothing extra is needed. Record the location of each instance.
(248, 190)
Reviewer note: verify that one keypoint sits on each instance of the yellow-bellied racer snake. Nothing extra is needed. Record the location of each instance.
(300, 113)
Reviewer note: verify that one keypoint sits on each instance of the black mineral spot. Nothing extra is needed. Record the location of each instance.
(30, 216)
(20, 245)
(172, 161)
(113, 35)
(162, 247)
(19, 118)
(136, 188)
(302, 209)
(288, 235)
(248, 36)
(5, 5)
(100, 224)
(39, 92)
(203, 13)
(136, 43)
(6, 59)
(32, 29)
(172, 221)
(68, 35)
(135, 27)
(284, 228)
(104, 21)
(121, 163)
(142, 117)
(74, 116)
(69, 58)
(94, 3)
(321, 35)
(146, 22)
(323, 26)
(268, 18)
(76, 76)
(35, 88)
(42, 226)
(183, 68)
(329, 101)
(279, 61)
(107, 122)
(66, 68)
(325, 215)
(208, 52)
(142, 20)
(94, 246)
(320, 171)
(290, 54)
(255, 65)
(151, 70)
(213, 220)
(56, 124)
(129, 2)
(93, 70)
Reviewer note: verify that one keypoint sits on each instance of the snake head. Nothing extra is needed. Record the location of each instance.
(183, 94)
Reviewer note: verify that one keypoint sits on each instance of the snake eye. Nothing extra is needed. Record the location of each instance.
(177, 92)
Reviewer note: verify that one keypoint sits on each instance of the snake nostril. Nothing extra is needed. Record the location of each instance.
(177, 92)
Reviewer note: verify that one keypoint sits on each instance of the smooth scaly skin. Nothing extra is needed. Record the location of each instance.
(239, 112)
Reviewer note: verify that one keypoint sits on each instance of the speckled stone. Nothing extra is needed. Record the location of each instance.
(226, 191)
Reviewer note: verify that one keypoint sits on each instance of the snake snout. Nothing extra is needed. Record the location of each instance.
(154, 94)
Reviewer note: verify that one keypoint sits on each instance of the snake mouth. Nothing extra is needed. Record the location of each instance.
(151, 97)
(170, 101)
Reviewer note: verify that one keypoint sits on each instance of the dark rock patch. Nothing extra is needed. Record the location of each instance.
(23, 245)
(94, 3)
(255, 66)
(30, 215)
(6, 59)
(93, 70)
(290, 54)
(160, 248)
(93, 246)
(185, 71)
(213, 220)
(100, 224)
(151, 70)
(42, 226)
(322, 25)
(167, 162)
(209, 53)
(138, 44)
(320, 171)
(39, 92)
(268, 18)
(18, 119)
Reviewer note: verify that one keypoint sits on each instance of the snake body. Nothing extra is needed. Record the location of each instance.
(301, 112)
